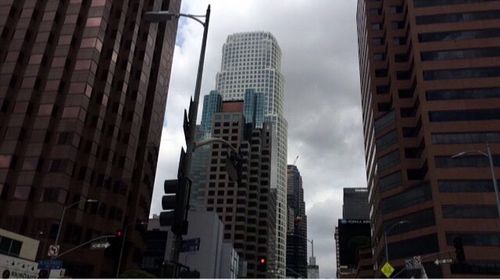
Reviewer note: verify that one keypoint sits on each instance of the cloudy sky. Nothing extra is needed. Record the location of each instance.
(322, 99)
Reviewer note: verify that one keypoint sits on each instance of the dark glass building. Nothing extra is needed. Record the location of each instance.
(296, 238)
(430, 89)
(83, 89)
(352, 235)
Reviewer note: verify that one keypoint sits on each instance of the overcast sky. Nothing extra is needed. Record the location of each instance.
(322, 100)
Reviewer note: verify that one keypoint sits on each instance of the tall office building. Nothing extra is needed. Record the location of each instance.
(246, 207)
(296, 238)
(83, 88)
(352, 234)
(252, 60)
(430, 89)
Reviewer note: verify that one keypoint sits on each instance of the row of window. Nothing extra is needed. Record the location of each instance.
(465, 137)
(464, 115)
(470, 212)
(458, 35)
(459, 94)
(414, 221)
(466, 73)
(431, 3)
(460, 54)
(410, 197)
(465, 161)
(454, 186)
(474, 239)
(458, 17)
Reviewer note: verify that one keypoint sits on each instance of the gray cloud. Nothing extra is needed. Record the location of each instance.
(322, 104)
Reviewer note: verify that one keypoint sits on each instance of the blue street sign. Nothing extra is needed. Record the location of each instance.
(190, 245)
(50, 264)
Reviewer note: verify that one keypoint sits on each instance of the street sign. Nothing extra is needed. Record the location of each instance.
(190, 245)
(442, 261)
(50, 264)
(387, 269)
(413, 263)
(99, 245)
(53, 251)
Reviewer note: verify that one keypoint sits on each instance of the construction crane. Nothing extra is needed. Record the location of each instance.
(295, 161)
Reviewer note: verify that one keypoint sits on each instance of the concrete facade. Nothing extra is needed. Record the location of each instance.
(430, 76)
(83, 89)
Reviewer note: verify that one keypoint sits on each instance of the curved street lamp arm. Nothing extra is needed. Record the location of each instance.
(191, 17)
(84, 243)
(469, 152)
(198, 144)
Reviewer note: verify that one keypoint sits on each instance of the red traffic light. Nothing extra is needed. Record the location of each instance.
(119, 233)
(262, 261)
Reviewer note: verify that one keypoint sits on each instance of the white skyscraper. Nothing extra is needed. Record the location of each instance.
(252, 60)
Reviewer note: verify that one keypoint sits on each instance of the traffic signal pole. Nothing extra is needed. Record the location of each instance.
(190, 132)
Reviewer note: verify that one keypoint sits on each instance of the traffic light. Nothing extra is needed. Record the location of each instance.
(119, 233)
(115, 244)
(262, 265)
(234, 166)
(459, 249)
(175, 202)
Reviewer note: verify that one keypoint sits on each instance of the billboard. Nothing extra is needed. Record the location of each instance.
(352, 234)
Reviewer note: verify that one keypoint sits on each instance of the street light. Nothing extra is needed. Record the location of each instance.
(56, 242)
(385, 237)
(492, 169)
(190, 125)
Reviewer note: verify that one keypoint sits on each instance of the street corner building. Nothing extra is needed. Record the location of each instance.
(430, 93)
(83, 89)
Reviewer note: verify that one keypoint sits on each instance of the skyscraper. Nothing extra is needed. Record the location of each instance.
(430, 76)
(83, 88)
(252, 60)
(296, 238)
(246, 207)
(352, 234)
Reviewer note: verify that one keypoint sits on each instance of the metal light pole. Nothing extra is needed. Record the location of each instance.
(385, 237)
(492, 170)
(161, 16)
(56, 242)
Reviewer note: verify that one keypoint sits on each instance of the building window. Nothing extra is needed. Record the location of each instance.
(458, 35)
(474, 239)
(464, 115)
(10, 246)
(390, 181)
(415, 221)
(385, 121)
(465, 137)
(387, 140)
(431, 3)
(460, 54)
(413, 196)
(457, 94)
(469, 212)
(388, 160)
(458, 17)
(467, 73)
(454, 186)
(477, 161)
(412, 247)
